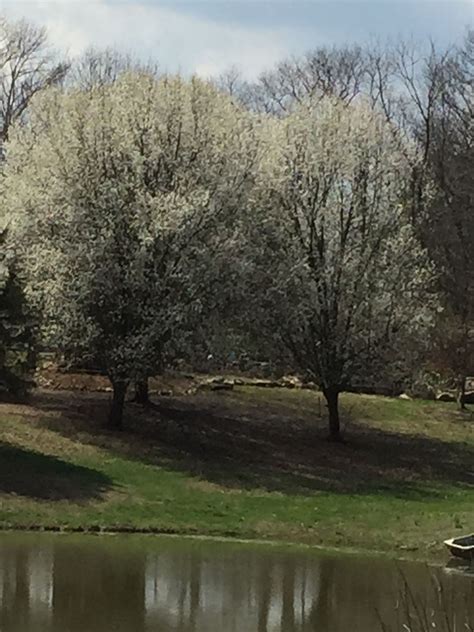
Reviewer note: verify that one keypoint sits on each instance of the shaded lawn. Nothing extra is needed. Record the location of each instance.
(25, 472)
(254, 462)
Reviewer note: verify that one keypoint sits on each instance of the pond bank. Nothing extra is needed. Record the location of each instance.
(247, 464)
(437, 560)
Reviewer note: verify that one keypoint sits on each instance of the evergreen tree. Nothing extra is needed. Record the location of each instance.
(16, 326)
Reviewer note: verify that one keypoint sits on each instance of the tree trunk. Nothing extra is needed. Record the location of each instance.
(142, 395)
(116, 407)
(332, 399)
(461, 398)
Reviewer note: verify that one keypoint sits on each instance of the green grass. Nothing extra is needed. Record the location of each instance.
(251, 463)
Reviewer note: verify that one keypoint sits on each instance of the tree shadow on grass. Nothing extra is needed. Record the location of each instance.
(228, 442)
(41, 477)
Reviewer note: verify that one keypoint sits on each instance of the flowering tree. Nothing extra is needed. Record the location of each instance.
(117, 194)
(340, 275)
(27, 66)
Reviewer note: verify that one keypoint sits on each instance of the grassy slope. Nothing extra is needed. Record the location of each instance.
(252, 463)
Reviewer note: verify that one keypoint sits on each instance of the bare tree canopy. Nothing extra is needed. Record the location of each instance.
(337, 72)
(100, 67)
(448, 227)
(27, 66)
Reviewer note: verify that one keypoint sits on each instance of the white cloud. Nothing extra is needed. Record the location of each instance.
(178, 41)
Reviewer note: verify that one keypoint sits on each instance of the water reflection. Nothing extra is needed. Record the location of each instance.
(67, 584)
(229, 593)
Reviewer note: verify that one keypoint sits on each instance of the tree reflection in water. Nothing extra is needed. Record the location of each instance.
(59, 584)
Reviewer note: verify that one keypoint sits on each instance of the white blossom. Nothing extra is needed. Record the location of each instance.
(117, 195)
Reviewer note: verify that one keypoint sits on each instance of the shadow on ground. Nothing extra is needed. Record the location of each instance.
(40, 477)
(227, 441)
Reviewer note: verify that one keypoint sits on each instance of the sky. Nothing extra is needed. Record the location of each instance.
(208, 37)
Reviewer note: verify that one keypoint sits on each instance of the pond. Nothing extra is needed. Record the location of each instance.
(82, 583)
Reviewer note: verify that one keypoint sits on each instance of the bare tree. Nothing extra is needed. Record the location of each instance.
(428, 94)
(27, 66)
(251, 95)
(100, 67)
(421, 80)
(449, 226)
(337, 72)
